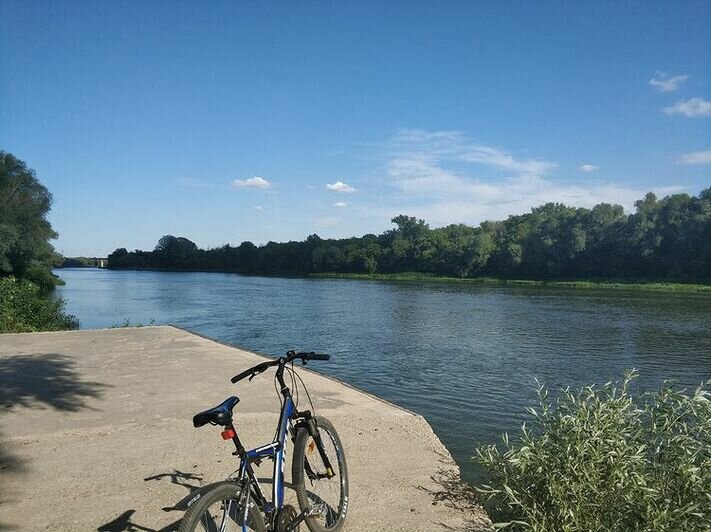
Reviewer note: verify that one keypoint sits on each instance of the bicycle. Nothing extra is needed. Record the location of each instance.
(318, 460)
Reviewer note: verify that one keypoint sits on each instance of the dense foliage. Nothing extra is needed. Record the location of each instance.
(26, 254)
(25, 307)
(663, 239)
(25, 232)
(600, 459)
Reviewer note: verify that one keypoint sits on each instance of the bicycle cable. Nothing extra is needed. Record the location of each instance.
(281, 405)
(308, 395)
(294, 387)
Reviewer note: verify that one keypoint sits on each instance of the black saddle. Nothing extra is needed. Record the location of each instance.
(220, 415)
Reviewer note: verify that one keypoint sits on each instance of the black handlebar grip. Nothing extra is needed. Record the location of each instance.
(318, 356)
(253, 371)
(242, 375)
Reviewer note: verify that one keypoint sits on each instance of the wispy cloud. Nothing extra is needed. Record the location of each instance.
(664, 82)
(696, 157)
(258, 208)
(423, 161)
(340, 204)
(438, 175)
(587, 168)
(455, 145)
(252, 182)
(500, 159)
(691, 108)
(340, 186)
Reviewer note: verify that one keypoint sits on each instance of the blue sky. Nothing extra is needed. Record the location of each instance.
(225, 122)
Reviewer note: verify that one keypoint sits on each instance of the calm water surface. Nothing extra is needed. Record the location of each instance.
(463, 356)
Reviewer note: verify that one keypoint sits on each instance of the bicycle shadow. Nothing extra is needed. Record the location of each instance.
(180, 478)
(38, 381)
(124, 522)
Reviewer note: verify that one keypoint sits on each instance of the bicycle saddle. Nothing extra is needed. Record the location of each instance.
(219, 415)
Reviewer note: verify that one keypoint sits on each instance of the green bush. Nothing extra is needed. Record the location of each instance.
(601, 459)
(24, 307)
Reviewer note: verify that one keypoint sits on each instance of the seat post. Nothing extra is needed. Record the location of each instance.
(240, 451)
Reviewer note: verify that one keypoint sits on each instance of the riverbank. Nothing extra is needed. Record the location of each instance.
(582, 283)
(96, 424)
(615, 284)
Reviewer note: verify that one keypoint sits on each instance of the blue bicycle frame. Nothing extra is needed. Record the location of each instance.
(276, 449)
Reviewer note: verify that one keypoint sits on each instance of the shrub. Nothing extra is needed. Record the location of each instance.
(24, 307)
(602, 459)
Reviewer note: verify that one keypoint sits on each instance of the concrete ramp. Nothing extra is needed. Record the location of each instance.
(96, 434)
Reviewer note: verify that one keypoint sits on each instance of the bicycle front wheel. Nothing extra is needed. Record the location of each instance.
(323, 497)
(218, 510)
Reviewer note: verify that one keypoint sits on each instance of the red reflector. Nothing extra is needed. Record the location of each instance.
(229, 434)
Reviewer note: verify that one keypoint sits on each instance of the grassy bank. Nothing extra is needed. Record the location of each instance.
(25, 307)
(634, 284)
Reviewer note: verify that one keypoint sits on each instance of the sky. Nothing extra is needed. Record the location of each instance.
(232, 121)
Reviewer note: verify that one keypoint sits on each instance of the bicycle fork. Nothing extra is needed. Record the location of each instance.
(312, 428)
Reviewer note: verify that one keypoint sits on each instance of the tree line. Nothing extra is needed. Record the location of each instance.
(668, 238)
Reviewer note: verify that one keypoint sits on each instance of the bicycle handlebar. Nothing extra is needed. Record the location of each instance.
(251, 372)
(317, 356)
(290, 356)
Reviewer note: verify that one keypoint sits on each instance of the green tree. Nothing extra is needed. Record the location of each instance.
(175, 252)
(25, 232)
(644, 239)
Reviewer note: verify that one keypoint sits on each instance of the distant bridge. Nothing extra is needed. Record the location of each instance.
(85, 262)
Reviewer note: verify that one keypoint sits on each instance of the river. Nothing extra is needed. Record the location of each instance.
(463, 356)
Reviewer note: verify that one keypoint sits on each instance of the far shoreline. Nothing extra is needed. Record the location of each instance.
(615, 284)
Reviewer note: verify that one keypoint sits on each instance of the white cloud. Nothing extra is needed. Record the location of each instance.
(697, 157)
(691, 108)
(438, 178)
(252, 182)
(664, 82)
(340, 186)
(500, 159)
(454, 144)
(258, 208)
(420, 160)
(588, 168)
(517, 197)
(340, 204)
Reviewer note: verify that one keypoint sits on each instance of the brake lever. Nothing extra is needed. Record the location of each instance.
(251, 377)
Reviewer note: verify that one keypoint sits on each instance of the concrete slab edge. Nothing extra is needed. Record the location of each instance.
(301, 368)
